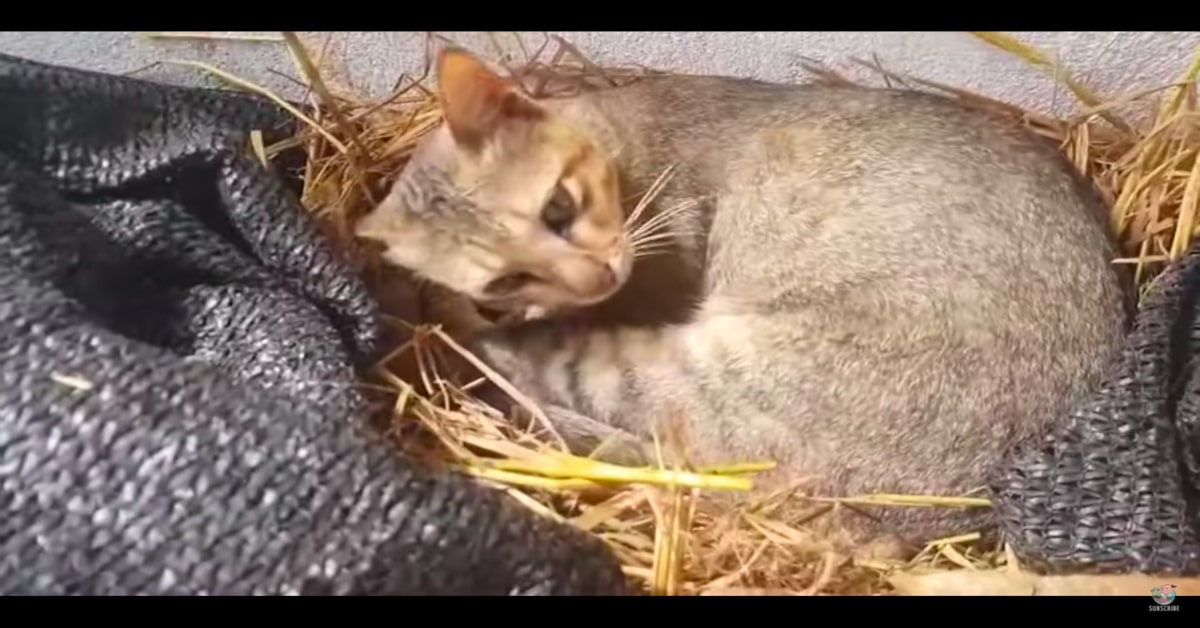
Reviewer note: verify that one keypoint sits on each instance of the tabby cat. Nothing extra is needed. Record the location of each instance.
(880, 290)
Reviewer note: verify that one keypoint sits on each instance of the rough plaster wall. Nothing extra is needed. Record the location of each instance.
(1112, 62)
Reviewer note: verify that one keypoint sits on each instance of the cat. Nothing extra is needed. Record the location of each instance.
(881, 290)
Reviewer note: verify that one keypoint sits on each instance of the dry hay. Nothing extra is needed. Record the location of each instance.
(657, 521)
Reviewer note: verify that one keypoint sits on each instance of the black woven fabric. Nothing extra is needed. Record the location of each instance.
(177, 352)
(1116, 490)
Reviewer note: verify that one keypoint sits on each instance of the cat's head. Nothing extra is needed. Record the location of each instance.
(504, 202)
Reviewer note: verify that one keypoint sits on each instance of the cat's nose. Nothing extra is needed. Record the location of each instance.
(615, 260)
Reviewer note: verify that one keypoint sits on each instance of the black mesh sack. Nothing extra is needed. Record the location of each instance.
(178, 351)
(1116, 490)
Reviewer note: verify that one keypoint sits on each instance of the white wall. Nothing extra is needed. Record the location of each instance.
(1114, 62)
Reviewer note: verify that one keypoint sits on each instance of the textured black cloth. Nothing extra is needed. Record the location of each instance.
(177, 362)
(1116, 490)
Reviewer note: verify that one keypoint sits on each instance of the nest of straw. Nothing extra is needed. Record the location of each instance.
(658, 522)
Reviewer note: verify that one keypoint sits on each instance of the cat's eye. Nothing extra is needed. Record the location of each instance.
(560, 212)
(506, 284)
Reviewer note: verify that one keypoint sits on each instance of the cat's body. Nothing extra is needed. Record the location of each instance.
(879, 290)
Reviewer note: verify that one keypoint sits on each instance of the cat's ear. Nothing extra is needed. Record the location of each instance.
(476, 103)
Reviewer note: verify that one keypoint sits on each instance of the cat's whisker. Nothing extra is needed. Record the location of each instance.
(657, 250)
(674, 215)
(638, 210)
(657, 233)
(650, 251)
(637, 213)
(658, 237)
(648, 246)
(647, 239)
(654, 237)
(641, 233)
(685, 205)
(651, 194)
(663, 219)
(656, 220)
